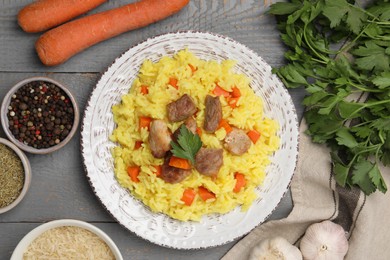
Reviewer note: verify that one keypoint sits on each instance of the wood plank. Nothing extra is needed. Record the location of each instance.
(59, 186)
(243, 21)
(60, 190)
(131, 246)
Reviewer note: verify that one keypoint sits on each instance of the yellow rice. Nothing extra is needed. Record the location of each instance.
(164, 197)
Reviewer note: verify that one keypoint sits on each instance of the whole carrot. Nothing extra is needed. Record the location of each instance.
(45, 14)
(59, 44)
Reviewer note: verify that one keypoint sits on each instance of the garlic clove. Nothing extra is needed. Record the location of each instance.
(324, 241)
(276, 248)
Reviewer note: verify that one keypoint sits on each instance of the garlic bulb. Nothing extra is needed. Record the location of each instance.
(276, 248)
(324, 241)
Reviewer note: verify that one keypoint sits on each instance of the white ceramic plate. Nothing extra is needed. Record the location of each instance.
(212, 230)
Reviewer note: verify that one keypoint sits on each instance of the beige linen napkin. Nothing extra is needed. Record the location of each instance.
(317, 197)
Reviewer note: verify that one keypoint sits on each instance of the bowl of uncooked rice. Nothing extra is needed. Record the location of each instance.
(66, 239)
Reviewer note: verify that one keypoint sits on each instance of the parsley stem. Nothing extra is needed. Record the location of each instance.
(341, 48)
(324, 59)
(366, 105)
(367, 122)
(371, 22)
(368, 149)
(364, 89)
(354, 40)
(319, 61)
(379, 23)
(360, 9)
(377, 103)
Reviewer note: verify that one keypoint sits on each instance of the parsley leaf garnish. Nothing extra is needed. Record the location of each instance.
(188, 144)
(338, 50)
(372, 57)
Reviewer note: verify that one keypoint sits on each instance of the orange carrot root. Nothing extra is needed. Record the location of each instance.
(133, 172)
(144, 122)
(45, 14)
(240, 182)
(179, 163)
(218, 91)
(188, 196)
(205, 194)
(144, 90)
(59, 44)
(158, 170)
(173, 82)
(225, 124)
(254, 135)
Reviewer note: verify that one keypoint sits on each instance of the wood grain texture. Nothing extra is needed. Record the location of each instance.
(59, 187)
(243, 21)
(131, 247)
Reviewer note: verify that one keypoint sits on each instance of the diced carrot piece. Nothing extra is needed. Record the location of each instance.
(144, 121)
(236, 93)
(218, 91)
(232, 101)
(223, 123)
(199, 131)
(138, 144)
(144, 89)
(133, 172)
(178, 162)
(158, 169)
(188, 196)
(240, 182)
(173, 82)
(193, 68)
(205, 194)
(196, 113)
(254, 135)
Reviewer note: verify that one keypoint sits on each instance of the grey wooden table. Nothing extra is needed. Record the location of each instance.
(59, 186)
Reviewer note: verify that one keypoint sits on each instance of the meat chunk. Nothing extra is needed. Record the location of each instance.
(172, 174)
(213, 114)
(208, 161)
(237, 142)
(181, 109)
(190, 123)
(159, 138)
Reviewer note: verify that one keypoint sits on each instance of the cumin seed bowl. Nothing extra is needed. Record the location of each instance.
(39, 115)
(61, 227)
(26, 176)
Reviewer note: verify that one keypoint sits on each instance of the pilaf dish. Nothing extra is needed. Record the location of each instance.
(192, 138)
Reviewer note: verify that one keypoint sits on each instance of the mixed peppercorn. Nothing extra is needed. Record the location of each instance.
(40, 114)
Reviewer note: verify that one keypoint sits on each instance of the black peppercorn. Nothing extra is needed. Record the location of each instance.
(23, 106)
(36, 113)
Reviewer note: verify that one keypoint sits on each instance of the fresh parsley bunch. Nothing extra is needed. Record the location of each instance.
(339, 50)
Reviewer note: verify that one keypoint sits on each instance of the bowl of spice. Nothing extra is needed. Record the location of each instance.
(67, 239)
(15, 175)
(39, 115)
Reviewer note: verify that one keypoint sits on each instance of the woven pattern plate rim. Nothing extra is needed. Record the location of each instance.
(97, 125)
